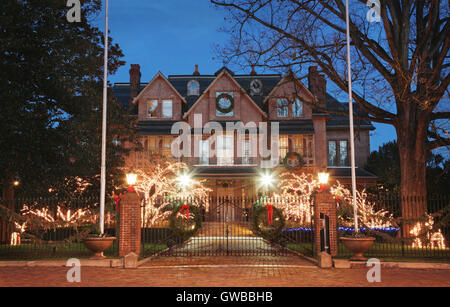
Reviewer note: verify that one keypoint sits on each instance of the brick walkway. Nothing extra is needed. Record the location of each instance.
(241, 272)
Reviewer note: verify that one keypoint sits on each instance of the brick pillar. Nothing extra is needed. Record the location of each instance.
(130, 224)
(325, 204)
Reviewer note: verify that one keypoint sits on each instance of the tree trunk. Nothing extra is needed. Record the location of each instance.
(413, 152)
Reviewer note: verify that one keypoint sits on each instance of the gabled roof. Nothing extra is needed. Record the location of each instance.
(223, 73)
(159, 75)
(289, 74)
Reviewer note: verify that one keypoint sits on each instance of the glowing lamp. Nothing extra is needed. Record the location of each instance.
(266, 180)
(131, 181)
(16, 183)
(184, 180)
(323, 181)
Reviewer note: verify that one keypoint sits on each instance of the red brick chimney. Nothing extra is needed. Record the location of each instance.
(135, 80)
(196, 72)
(317, 85)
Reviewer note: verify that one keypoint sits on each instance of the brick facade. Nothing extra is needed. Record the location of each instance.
(130, 224)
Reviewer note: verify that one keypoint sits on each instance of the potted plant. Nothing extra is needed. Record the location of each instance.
(358, 244)
(98, 243)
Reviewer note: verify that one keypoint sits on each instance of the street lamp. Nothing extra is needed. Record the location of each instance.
(323, 181)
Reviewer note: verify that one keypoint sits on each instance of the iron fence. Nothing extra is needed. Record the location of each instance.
(42, 228)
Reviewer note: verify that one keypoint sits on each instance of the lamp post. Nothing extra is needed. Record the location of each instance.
(105, 108)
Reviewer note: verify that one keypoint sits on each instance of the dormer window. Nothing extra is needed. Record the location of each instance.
(167, 109)
(297, 108)
(152, 108)
(256, 87)
(193, 88)
(282, 107)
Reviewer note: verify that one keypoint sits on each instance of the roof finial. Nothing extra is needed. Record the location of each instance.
(253, 73)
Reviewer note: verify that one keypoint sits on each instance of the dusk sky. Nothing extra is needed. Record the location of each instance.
(172, 36)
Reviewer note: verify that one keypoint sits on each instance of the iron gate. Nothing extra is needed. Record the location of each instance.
(227, 230)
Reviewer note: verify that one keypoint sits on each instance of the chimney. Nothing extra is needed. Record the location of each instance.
(317, 85)
(135, 80)
(196, 73)
(253, 73)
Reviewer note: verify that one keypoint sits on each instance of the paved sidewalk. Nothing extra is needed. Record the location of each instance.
(240, 273)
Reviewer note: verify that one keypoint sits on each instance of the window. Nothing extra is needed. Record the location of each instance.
(282, 107)
(225, 106)
(167, 109)
(283, 146)
(225, 149)
(297, 108)
(193, 88)
(152, 107)
(338, 153)
(204, 152)
(246, 152)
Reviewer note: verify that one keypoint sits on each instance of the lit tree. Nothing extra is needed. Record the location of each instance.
(159, 183)
(368, 216)
(295, 200)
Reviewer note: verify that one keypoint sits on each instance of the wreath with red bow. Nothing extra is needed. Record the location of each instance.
(219, 107)
(185, 220)
(268, 222)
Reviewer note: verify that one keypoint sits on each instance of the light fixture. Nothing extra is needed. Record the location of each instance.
(323, 181)
(16, 183)
(266, 180)
(131, 181)
(184, 180)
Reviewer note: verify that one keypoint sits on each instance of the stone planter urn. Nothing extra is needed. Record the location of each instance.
(98, 245)
(357, 246)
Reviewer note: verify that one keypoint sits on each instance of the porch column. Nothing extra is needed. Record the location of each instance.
(130, 224)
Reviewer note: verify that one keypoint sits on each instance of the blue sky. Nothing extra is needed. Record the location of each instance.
(172, 36)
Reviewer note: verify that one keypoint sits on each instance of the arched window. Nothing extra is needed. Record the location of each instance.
(193, 88)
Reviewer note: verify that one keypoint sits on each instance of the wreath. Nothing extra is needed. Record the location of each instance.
(185, 220)
(268, 222)
(293, 160)
(225, 96)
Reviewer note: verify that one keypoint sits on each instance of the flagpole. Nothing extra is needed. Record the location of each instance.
(105, 109)
(350, 110)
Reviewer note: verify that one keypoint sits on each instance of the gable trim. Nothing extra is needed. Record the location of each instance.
(211, 85)
(158, 75)
(307, 91)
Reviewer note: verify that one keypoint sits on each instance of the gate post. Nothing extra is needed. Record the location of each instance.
(130, 224)
(325, 226)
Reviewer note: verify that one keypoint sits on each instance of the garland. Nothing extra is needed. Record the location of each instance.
(185, 220)
(225, 96)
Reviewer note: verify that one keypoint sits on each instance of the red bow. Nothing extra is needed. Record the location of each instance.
(269, 209)
(323, 187)
(117, 198)
(185, 208)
